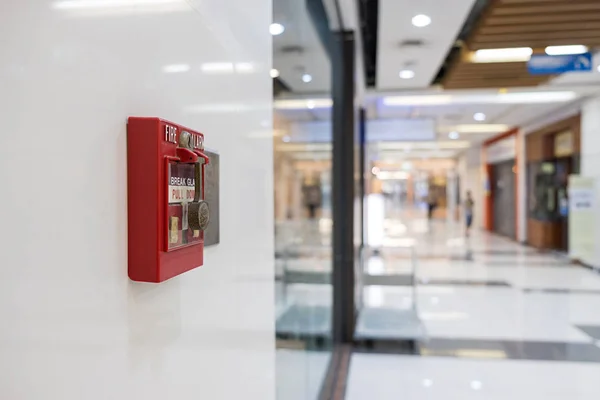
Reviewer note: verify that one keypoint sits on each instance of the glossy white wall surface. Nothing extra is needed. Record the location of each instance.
(73, 325)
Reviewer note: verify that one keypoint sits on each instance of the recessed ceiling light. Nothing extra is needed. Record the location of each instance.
(421, 20)
(407, 74)
(274, 73)
(475, 128)
(310, 104)
(299, 104)
(453, 135)
(531, 97)
(479, 117)
(176, 68)
(564, 50)
(598, 68)
(306, 78)
(476, 385)
(217, 67)
(515, 54)
(244, 68)
(286, 139)
(276, 29)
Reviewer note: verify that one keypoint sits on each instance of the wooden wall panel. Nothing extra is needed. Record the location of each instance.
(543, 235)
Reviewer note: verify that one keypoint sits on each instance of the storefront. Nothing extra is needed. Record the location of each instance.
(552, 154)
(500, 208)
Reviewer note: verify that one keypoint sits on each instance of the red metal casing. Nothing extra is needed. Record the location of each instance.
(160, 181)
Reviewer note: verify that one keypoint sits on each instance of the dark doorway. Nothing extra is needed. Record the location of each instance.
(503, 189)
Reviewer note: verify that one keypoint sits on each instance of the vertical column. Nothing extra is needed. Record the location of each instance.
(362, 140)
(342, 57)
(282, 188)
(590, 160)
(451, 195)
(521, 189)
(297, 210)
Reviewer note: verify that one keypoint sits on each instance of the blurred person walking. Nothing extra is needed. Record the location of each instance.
(468, 207)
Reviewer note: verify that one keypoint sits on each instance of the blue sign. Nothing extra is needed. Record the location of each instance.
(542, 64)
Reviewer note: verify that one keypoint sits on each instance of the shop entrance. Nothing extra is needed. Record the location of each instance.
(503, 190)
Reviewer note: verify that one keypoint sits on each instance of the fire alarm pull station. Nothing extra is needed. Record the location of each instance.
(167, 211)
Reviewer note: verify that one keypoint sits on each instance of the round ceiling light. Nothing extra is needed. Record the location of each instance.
(274, 73)
(421, 20)
(306, 78)
(479, 117)
(407, 74)
(453, 135)
(276, 29)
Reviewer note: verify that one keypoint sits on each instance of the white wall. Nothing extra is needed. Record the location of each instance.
(73, 325)
(590, 158)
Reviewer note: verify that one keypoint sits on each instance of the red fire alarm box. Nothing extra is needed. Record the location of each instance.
(166, 207)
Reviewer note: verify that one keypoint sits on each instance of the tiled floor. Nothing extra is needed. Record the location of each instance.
(388, 377)
(509, 322)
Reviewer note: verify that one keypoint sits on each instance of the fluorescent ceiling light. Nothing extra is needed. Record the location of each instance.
(306, 78)
(176, 68)
(88, 4)
(479, 117)
(95, 8)
(217, 68)
(393, 175)
(276, 29)
(424, 100)
(475, 128)
(537, 97)
(515, 54)
(244, 68)
(274, 73)
(407, 74)
(298, 104)
(437, 145)
(421, 20)
(564, 50)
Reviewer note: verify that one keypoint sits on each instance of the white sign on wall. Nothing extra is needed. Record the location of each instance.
(582, 218)
(503, 150)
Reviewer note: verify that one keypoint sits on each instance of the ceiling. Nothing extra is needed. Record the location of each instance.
(423, 50)
(437, 54)
(522, 23)
(298, 50)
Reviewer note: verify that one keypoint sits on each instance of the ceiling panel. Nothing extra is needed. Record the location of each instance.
(298, 50)
(395, 27)
(523, 23)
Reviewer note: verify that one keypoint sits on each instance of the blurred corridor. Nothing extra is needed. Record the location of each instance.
(443, 316)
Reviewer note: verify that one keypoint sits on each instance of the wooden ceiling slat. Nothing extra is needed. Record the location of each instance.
(567, 6)
(486, 85)
(499, 78)
(547, 28)
(590, 42)
(532, 1)
(548, 36)
(523, 23)
(492, 67)
(543, 18)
